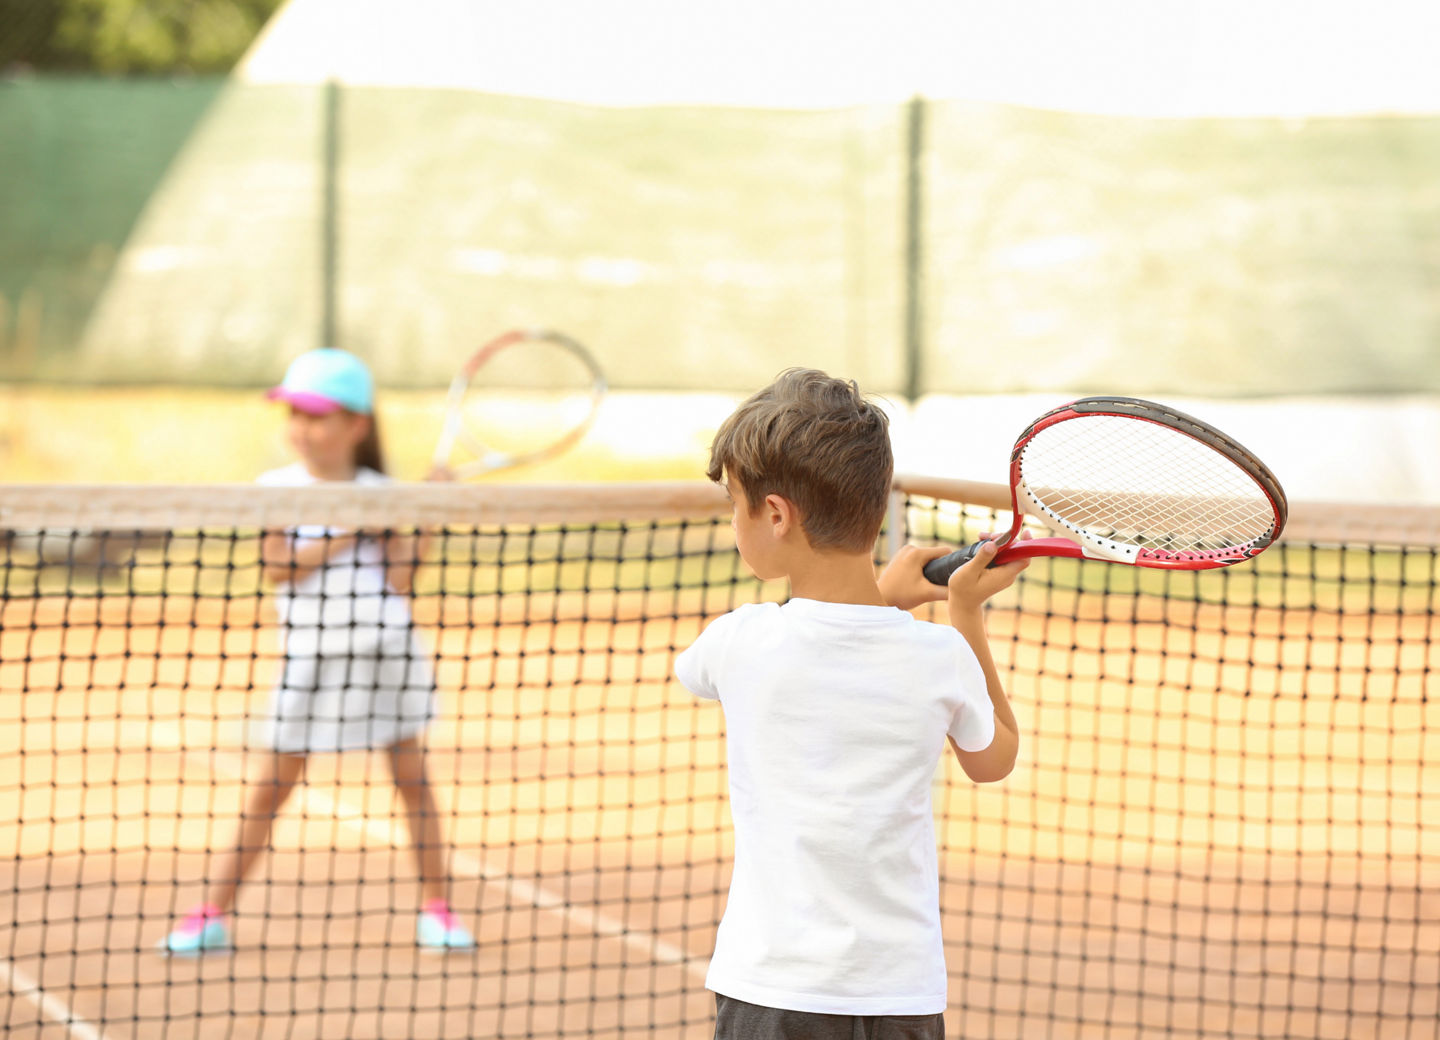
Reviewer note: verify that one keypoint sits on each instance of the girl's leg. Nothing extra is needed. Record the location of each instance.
(437, 930)
(265, 796)
(407, 764)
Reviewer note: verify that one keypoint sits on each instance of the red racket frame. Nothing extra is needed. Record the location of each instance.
(1014, 548)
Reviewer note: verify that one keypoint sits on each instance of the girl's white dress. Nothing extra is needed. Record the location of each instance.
(355, 674)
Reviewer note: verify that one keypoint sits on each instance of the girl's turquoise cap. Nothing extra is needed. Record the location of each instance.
(327, 379)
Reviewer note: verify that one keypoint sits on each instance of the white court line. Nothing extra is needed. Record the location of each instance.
(56, 1010)
(462, 862)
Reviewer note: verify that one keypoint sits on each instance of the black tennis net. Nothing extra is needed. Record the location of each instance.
(1219, 825)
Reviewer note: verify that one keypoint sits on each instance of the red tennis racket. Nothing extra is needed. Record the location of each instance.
(526, 396)
(1134, 482)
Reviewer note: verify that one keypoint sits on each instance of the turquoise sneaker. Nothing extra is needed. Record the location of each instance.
(203, 930)
(440, 931)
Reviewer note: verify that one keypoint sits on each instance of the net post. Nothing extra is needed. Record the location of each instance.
(894, 524)
(914, 246)
(330, 215)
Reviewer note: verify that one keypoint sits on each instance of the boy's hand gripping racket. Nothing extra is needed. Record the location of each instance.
(524, 397)
(1134, 482)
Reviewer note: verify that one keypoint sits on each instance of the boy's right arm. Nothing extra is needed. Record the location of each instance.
(970, 586)
(698, 667)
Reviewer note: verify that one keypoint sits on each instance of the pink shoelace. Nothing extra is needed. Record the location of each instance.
(195, 919)
(440, 909)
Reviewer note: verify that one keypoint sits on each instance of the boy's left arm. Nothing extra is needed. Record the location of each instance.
(904, 585)
(997, 760)
(970, 586)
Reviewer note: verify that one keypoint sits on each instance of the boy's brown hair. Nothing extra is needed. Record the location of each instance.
(818, 442)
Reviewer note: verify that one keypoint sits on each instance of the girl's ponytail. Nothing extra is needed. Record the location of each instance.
(367, 452)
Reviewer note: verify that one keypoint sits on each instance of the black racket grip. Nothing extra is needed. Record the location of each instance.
(939, 570)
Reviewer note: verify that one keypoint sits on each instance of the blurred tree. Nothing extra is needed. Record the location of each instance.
(129, 36)
(29, 29)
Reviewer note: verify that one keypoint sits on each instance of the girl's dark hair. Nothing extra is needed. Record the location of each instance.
(367, 452)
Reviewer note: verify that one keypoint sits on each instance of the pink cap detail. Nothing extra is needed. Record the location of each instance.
(306, 400)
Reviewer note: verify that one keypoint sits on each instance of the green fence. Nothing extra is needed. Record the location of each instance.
(79, 158)
(204, 232)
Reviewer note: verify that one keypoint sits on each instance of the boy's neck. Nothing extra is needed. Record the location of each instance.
(835, 577)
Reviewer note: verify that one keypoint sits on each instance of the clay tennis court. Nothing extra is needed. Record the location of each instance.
(1166, 861)
(572, 820)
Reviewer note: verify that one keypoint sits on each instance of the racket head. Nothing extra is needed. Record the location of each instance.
(525, 396)
(1136, 482)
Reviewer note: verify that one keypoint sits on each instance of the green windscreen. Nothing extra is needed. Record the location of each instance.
(200, 233)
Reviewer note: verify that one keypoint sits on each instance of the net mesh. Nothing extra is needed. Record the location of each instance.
(1218, 826)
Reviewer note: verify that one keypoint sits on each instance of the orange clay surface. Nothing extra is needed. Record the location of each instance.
(1185, 849)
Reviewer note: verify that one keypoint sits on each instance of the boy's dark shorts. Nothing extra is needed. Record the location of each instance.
(737, 1020)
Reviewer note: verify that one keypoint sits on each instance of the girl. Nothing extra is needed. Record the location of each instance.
(355, 675)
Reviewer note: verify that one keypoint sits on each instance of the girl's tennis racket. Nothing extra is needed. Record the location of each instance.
(524, 397)
(1134, 482)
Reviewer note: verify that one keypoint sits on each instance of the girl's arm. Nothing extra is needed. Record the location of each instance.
(403, 555)
(285, 559)
(405, 552)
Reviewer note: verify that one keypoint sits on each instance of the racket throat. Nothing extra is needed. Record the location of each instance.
(489, 462)
(1029, 548)
(1086, 544)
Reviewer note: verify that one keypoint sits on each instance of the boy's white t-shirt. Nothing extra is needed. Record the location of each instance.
(836, 715)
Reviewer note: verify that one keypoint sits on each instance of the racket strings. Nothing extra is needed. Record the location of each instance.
(525, 398)
(1143, 484)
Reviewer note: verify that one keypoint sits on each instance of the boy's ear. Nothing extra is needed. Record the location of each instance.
(782, 514)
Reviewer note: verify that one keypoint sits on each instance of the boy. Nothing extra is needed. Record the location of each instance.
(837, 707)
